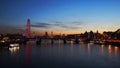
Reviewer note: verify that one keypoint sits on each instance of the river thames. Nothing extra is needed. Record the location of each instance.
(59, 55)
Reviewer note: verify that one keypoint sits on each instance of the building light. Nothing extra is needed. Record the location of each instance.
(14, 45)
(2, 41)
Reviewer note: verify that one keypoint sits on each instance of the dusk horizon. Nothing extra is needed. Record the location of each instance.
(60, 33)
(59, 16)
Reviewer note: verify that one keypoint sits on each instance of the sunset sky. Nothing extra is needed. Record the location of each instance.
(59, 16)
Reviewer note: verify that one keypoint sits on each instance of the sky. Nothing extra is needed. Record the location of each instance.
(59, 16)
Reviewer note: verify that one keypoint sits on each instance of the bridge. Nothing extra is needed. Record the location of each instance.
(10, 39)
(108, 42)
(39, 39)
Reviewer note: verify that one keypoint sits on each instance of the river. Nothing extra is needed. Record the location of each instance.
(59, 55)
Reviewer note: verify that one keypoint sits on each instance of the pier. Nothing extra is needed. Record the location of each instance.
(108, 42)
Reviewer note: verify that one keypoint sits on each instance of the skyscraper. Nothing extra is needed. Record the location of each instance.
(27, 33)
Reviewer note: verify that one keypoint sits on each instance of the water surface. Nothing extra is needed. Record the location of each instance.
(60, 55)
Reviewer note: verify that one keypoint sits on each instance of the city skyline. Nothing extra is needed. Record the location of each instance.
(59, 16)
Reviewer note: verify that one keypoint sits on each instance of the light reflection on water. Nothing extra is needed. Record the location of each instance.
(116, 51)
(102, 49)
(27, 53)
(89, 49)
(14, 49)
(61, 55)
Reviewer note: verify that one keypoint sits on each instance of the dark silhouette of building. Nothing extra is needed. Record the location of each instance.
(46, 34)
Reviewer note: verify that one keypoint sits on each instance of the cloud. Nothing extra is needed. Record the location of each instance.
(71, 25)
(11, 29)
(77, 23)
(44, 25)
(41, 25)
(58, 24)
